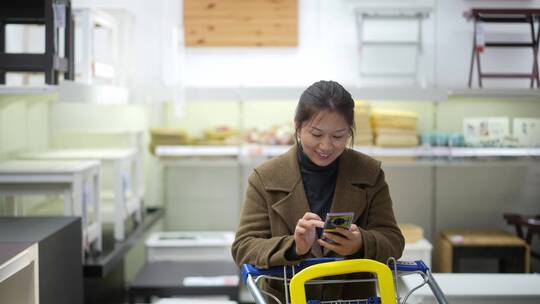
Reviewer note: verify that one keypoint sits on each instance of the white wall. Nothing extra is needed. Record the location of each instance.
(328, 49)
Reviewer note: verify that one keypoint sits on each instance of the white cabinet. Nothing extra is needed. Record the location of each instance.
(19, 273)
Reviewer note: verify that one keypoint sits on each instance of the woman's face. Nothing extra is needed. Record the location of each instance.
(324, 137)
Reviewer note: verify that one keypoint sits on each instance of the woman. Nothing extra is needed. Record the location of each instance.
(288, 198)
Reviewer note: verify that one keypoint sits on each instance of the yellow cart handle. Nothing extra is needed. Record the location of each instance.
(384, 276)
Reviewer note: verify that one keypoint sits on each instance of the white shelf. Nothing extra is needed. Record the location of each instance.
(27, 89)
(293, 93)
(270, 151)
(411, 93)
(176, 151)
(19, 276)
(495, 93)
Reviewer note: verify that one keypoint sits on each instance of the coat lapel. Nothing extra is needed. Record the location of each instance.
(347, 197)
(293, 206)
(286, 178)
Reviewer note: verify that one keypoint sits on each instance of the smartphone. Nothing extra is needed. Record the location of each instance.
(338, 219)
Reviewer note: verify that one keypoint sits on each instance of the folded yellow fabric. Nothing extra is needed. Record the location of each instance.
(393, 119)
(396, 140)
(395, 132)
(168, 136)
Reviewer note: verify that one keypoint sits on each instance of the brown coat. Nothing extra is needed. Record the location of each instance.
(275, 200)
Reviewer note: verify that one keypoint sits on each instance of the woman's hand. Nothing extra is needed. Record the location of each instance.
(305, 233)
(346, 242)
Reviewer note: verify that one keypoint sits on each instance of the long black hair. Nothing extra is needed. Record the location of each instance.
(324, 96)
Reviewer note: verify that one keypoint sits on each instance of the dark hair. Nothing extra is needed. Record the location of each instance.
(321, 96)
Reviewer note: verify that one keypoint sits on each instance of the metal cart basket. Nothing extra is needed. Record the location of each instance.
(309, 271)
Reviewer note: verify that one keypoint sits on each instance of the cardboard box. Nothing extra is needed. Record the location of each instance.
(190, 246)
(419, 250)
(455, 246)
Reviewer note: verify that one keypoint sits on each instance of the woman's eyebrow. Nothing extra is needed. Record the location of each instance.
(320, 130)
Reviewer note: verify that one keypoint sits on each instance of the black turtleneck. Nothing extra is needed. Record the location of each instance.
(319, 183)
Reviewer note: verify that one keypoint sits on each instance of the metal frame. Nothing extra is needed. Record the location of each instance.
(415, 14)
(529, 16)
(50, 62)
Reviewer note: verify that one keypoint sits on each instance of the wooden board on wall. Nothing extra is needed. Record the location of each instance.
(241, 23)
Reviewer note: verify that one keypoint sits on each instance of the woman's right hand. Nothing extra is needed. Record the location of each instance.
(305, 233)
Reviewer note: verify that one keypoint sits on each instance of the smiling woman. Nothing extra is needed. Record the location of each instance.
(288, 197)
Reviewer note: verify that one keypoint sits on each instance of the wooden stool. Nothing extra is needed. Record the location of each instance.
(505, 15)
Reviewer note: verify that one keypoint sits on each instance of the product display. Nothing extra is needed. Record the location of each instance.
(167, 137)
(526, 131)
(486, 131)
(220, 135)
(282, 134)
(394, 128)
(364, 133)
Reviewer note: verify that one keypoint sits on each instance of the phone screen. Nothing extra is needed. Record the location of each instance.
(338, 219)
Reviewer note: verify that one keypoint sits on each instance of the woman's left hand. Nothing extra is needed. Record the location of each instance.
(345, 242)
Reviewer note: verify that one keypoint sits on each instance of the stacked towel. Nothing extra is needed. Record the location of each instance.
(394, 128)
(363, 134)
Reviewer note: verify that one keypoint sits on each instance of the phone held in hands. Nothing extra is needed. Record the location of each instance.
(337, 219)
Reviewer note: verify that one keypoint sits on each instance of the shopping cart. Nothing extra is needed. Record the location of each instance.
(307, 272)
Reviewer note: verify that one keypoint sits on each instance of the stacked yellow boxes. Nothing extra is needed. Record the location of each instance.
(221, 135)
(363, 134)
(394, 128)
(167, 137)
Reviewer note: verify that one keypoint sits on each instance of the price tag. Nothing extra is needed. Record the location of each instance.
(59, 12)
(480, 38)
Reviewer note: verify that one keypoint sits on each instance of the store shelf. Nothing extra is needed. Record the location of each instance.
(270, 151)
(178, 151)
(293, 93)
(27, 89)
(493, 152)
(114, 252)
(525, 93)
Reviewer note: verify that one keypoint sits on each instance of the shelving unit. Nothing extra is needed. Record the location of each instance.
(125, 197)
(391, 41)
(87, 21)
(56, 16)
(52, 247)
(76, 180)
(247, 151)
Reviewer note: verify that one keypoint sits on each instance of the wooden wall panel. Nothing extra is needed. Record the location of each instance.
(241, 23)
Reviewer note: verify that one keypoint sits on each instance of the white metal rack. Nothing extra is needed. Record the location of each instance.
(126, 173)
(393, 43)
(76, 180)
